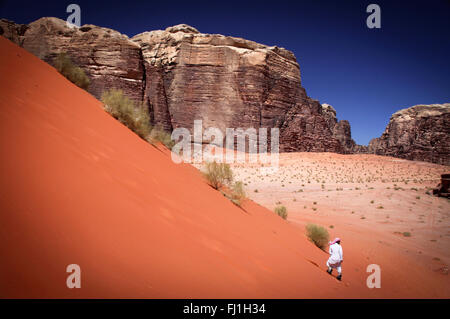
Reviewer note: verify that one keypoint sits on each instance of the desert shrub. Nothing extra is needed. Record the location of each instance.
(237, 193)
(218, 174)
(407, 234)
(159, 135)
(318, 235)
(125, 110)
(281, 211)
(72, 72)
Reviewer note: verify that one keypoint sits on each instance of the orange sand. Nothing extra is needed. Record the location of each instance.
(77, 187)
(369, 201)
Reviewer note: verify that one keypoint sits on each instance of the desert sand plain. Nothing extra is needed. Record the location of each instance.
(381, 207)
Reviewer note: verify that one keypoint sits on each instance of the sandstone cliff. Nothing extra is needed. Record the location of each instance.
(341, 131)
(421, 132)
(230, 82)
(184, 75)
(109, 58)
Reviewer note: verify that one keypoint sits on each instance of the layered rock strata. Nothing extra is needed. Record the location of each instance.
(421, 132)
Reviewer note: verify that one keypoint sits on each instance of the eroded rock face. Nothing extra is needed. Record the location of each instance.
(230, 83)
(109, 58)
(13, 31)
(184, 75)
(421, 132)
(341, 131)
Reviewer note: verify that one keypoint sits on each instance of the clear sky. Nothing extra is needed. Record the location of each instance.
(366, 74)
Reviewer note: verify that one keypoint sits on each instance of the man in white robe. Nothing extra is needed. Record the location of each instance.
(336, 257)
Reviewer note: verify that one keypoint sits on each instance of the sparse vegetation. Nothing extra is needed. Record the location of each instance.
(237, 193)
(159, 135)
(125, 111)
(313, 179)
(318, 235)
(72, 72)
(281, 211)
(218, 174)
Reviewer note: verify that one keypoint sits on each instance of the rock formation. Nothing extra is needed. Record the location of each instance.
(421, 132)
(341, 131)
(13, 31)
(109, 58)
(230, 82)
(184, 75)
(442, 190)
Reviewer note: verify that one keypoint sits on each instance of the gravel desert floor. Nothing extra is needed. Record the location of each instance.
(381, 207)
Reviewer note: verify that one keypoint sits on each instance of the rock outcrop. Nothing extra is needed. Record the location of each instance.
(13, 31)
(443, 188)
(341, 131)
(184, 75)
(109, 58)
(230, 82)
(421, 132)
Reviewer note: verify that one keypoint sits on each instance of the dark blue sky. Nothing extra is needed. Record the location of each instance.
(366, 74)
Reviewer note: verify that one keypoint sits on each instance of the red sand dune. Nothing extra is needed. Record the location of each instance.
(77, 187)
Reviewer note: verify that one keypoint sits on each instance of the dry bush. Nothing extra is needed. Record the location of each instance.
(281, 211)
(125, 110)
(159, 135)
(318, 235)
(237, 193)
(218, 174)
(73, 73)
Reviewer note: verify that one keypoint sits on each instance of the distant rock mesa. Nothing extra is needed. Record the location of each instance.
(420, 133)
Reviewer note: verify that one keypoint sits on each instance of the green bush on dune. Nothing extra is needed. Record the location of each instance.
(135, 117)
(125, 111)
(238, 193)
(281, 211)
(159, 135)
(73, 73)
(318, 235)
(218, 174)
